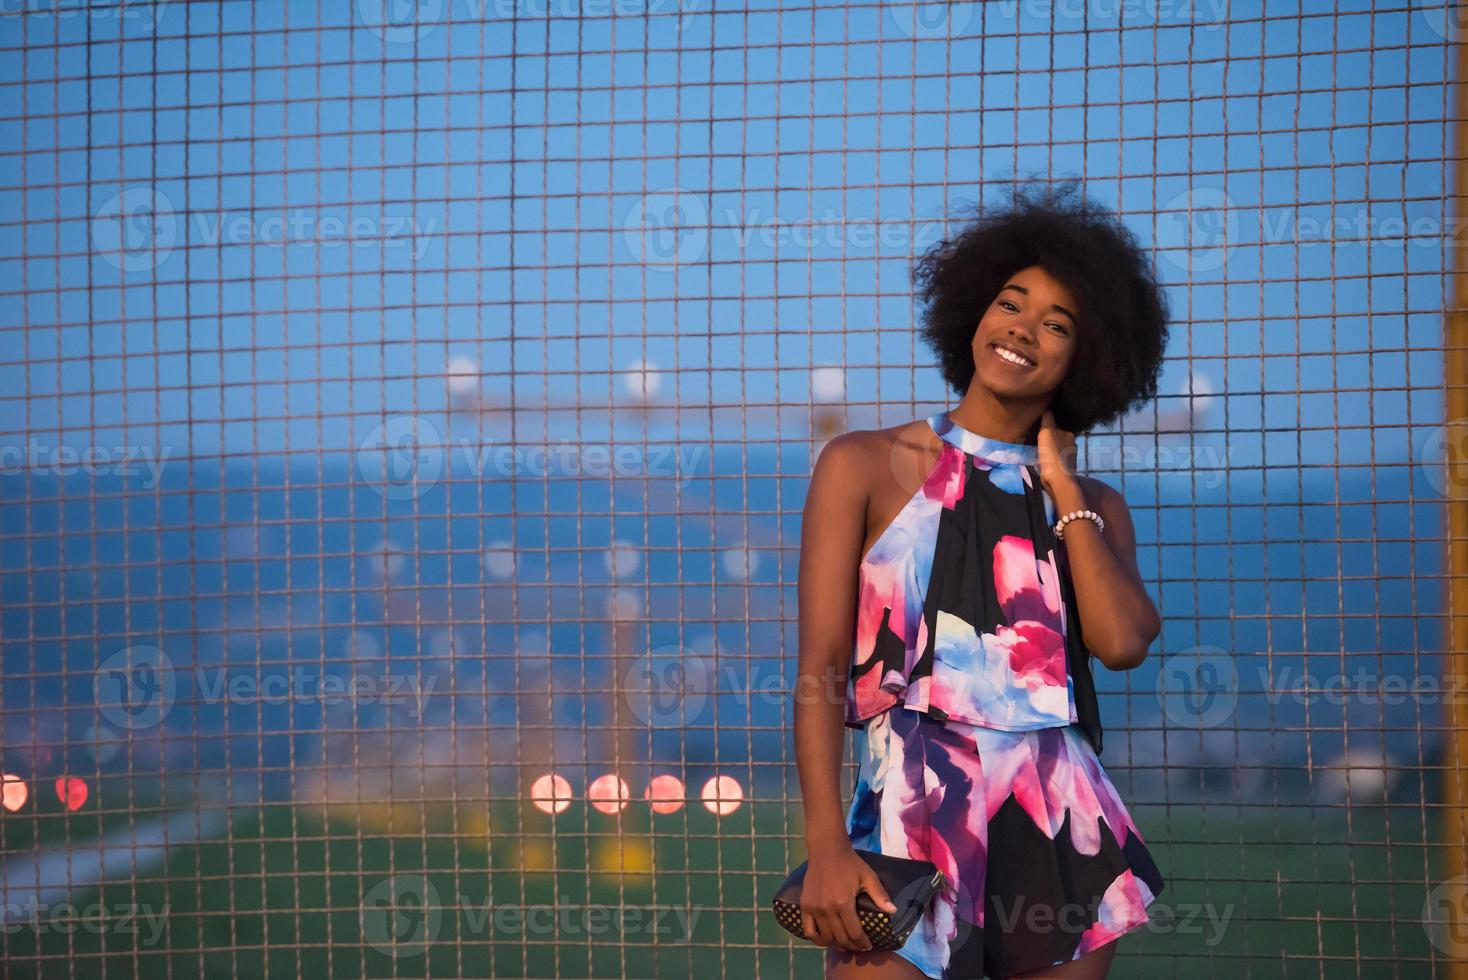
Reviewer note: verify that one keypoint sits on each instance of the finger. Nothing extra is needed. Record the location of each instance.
(831, 929)
(872, 885)
(830, 923)
(850, 923)
(813, 929)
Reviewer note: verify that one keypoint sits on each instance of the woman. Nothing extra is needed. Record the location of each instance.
(967, 560)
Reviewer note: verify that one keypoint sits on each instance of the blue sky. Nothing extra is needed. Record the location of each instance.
(288, 227)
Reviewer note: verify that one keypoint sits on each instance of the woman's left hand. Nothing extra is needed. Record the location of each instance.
(1057, 454)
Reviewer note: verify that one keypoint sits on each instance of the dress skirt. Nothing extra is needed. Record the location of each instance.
(1042, 860)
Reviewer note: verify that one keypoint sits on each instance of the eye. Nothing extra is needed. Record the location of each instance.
(1006, 304)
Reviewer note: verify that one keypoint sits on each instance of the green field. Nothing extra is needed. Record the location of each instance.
(419, 890)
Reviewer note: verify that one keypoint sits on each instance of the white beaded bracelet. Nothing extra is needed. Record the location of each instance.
(1073, 515)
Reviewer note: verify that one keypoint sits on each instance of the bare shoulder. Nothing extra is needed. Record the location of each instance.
(892, 455)
(841, 465)
(844, 452)
(862, 447)
(860, 465)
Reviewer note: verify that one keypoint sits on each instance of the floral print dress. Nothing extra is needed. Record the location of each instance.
(977, 732)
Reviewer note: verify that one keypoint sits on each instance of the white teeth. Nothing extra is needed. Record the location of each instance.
(1012, 357)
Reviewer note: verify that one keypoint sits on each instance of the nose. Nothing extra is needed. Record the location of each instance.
(1021, 336)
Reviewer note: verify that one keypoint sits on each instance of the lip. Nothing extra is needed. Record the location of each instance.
(1032, 364)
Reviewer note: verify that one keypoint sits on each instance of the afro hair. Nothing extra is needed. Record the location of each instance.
(1122, 330)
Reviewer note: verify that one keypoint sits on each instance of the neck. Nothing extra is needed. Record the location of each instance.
(982, 413)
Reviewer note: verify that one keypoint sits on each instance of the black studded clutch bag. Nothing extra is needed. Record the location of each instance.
(911, 884)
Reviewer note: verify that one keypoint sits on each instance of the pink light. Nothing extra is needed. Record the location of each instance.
(608, 793)
(665, 793)
(13, 792)
(722, 795)
(551, 793)
(71, 791)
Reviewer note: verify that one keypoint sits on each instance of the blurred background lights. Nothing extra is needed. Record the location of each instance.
(13, 792)
(1360, 775)
(642, 381)
(609, 793)
(499, 559)
(722, 794)
(666, 794)
(386, 561)
(462, 375)
(740, 563)
(551, 793)
(622, 559)
(72, 792)
(828, 384)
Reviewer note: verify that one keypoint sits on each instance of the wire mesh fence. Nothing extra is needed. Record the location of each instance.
(406, 411)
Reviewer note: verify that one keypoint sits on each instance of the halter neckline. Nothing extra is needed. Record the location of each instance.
(993, 450)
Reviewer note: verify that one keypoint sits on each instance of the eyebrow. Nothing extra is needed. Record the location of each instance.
(1054, 306)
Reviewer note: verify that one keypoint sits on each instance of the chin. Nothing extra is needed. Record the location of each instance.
(1003, 384)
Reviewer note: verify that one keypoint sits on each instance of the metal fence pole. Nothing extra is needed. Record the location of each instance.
(1454, 824)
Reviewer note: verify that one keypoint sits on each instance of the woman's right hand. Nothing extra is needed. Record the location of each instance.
(828, 897)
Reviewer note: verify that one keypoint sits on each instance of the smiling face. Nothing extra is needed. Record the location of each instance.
(1026, 339)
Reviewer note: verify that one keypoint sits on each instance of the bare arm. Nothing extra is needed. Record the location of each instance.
(1117, 615)
(832, 530)
(831, 536)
